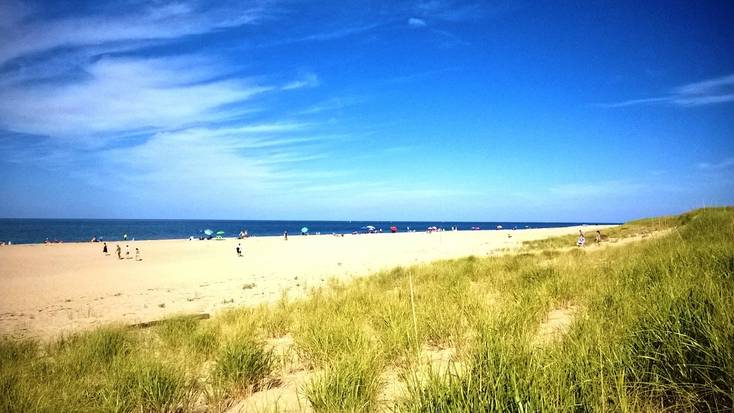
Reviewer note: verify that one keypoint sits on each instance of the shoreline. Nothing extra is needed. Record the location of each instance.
(402, 230)
(50, 289)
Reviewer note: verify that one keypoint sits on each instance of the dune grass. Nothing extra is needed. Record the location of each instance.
(644, 327)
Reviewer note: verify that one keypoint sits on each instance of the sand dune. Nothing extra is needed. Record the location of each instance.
(51, 289)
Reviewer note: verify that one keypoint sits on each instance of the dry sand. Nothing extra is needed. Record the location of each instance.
(47, 290)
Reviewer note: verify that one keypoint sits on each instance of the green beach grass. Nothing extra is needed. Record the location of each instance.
(644, 326)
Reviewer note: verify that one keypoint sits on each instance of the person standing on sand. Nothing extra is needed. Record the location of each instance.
(104, 249)
(118, 250)
(239, 250)
(137, 254)
(581, 240)
(597, 238)
(285, 235)
(127, 252)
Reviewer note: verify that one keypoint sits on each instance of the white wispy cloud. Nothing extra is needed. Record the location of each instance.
(120, 94)
(416, 22)
(725, 164)
(706, 92)
(24, 35)
(331, 104)
(308, 80)
(334, 34)
(167, 128)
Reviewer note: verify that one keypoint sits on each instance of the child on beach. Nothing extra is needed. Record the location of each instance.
(597, 238)
(104, 249)
(137, 254)
(239, 250)
(127, 252)
(118, 250)
(582, 240)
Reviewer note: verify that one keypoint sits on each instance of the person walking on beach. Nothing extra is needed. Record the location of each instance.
(285, 235)
(104, 249)
(118, 250)
(137, 254)
(597, 238)
(581, 240)
(239, 250)
(127, 252)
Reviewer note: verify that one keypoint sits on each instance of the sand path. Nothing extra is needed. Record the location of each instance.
(46, 290)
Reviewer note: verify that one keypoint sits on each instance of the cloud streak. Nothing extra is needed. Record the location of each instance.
(25, 35)
(123, 94)
(725, 164)
(415, 22)
(706, 92)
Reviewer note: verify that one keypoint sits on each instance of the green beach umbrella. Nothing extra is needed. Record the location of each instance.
(220, 232)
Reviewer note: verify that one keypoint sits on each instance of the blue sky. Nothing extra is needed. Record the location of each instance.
(439, 109)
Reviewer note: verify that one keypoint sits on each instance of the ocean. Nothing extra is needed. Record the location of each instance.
(29, 231)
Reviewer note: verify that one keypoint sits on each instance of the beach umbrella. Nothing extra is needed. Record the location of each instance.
(220, 232)
(304, 230)
(208, 231)
(394, 228)
(368, 227)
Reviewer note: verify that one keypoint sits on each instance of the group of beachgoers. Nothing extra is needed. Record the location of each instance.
(118, 250)
(581, 240)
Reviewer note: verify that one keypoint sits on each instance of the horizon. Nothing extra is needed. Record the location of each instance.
(314, 220)
(439, 109)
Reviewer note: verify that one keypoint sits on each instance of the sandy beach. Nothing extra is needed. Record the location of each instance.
(46, 290)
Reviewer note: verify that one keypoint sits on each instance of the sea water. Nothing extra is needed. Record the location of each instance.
(26, 231)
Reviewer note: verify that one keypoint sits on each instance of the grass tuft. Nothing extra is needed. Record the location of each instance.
(243, 364)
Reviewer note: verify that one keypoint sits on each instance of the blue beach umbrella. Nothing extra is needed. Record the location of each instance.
(208, 231)
(304, 230)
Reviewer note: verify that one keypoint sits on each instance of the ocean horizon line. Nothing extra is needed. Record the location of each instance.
(457, 221)
(35, 230)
